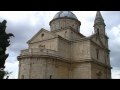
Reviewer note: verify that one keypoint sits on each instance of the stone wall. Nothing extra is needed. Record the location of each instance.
(81, 50)
(69, 34)
(64, 47)
(43, 68)
(57, 69)
(51, 44)
(81, 70)
(98, 71)
(102, 54)
(24, 68)
(65, 23)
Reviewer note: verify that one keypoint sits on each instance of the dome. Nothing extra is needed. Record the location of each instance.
(68, 14)
(64, 20)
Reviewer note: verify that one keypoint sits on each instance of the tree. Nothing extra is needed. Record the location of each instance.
(4, 43)
(4, 74)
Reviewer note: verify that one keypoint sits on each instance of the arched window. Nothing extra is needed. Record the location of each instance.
(98, 31)
(97, 53)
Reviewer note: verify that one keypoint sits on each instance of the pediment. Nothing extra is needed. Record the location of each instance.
(95, 38)
(42, 35)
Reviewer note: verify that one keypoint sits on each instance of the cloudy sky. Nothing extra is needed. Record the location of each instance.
(25, 24)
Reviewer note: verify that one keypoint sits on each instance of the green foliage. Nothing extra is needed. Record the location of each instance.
(4, 43)
(3, 74)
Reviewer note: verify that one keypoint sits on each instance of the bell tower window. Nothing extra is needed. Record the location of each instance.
(98, 31)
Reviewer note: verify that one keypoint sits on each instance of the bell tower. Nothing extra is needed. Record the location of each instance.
(99, 28)
(99, 24)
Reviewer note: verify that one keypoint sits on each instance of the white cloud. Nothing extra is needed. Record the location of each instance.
(15, 16)
(116, 74)
(12, 67)
(87, 21)
(114, 44)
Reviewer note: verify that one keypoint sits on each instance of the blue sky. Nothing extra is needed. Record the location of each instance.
(25, 24)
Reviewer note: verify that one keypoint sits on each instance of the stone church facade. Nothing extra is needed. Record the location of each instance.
(64, 53)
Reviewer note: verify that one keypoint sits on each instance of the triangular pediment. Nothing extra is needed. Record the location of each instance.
(95, 38)
(42, 35)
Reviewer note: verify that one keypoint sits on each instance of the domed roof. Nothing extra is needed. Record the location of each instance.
(68, 14)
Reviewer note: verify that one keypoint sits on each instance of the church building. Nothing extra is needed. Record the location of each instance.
(65, 53)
